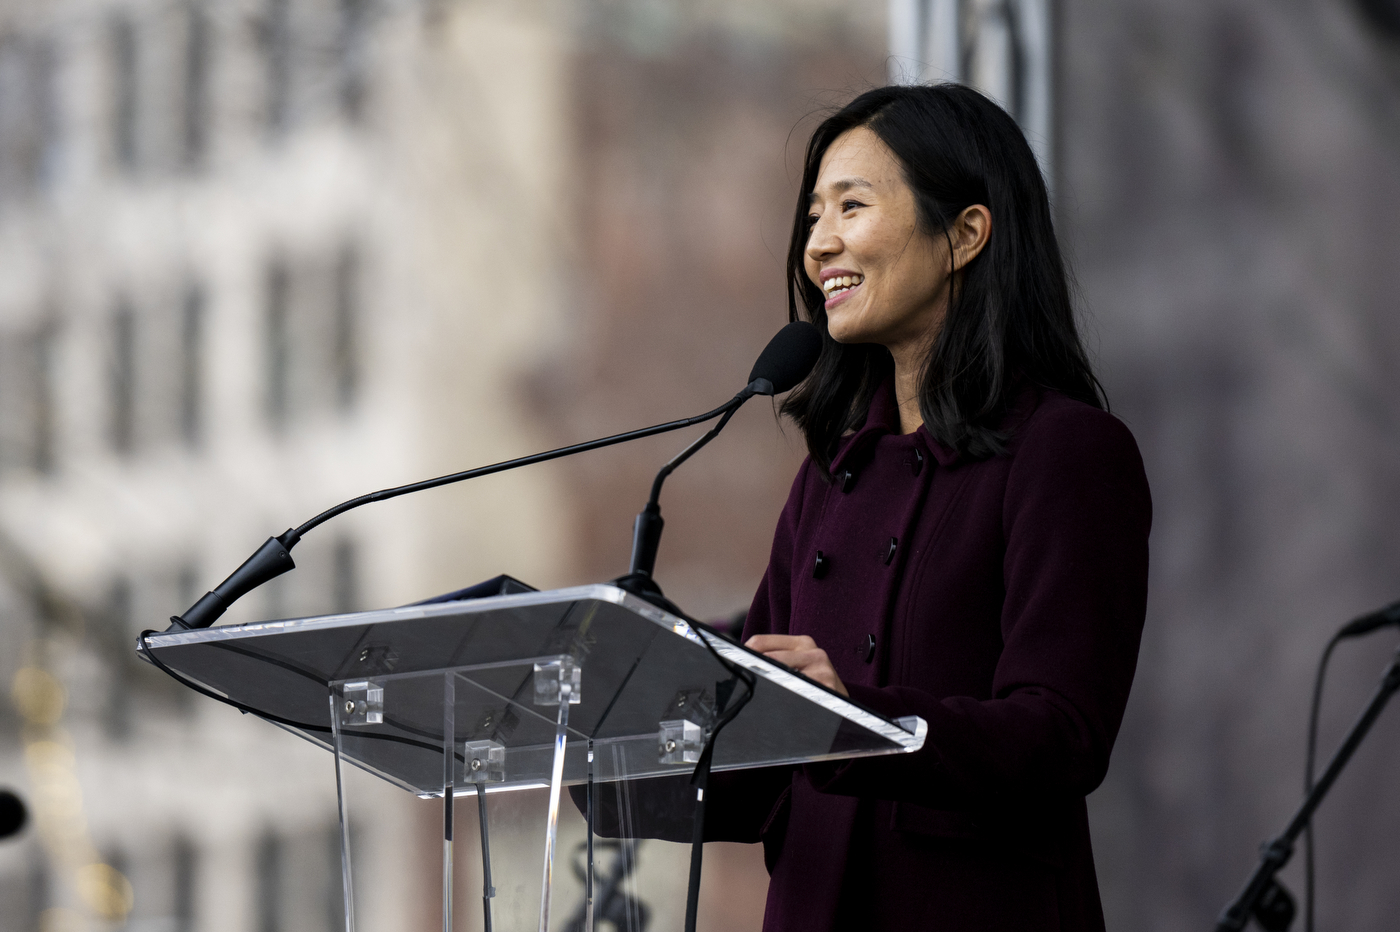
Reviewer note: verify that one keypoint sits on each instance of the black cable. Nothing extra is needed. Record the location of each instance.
(264, 715)
(1356, 628)
(1309, 770)
(700, 777)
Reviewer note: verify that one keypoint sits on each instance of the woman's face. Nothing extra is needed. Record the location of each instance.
(885, 279)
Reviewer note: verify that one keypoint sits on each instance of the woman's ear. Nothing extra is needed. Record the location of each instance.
(970, 232)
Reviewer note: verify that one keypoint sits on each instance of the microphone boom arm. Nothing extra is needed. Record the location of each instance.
(272, 559)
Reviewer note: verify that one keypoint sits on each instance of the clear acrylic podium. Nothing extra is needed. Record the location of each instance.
(585, 686)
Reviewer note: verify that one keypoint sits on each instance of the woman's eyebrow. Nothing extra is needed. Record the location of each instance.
(842, 186)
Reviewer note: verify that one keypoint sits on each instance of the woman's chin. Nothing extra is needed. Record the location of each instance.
(848, 331)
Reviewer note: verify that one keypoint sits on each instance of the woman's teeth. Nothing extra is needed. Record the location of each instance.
(839, 283)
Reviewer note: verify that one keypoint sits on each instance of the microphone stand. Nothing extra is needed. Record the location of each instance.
(1263, 897)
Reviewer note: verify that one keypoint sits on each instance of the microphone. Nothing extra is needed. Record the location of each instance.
(786, 360)
(1390, 615)
(13, 814)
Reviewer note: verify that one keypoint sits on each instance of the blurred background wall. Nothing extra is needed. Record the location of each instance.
(257, 256)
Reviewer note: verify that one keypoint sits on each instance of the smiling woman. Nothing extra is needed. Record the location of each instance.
(937, 187)
(967, 541)
(894, 293)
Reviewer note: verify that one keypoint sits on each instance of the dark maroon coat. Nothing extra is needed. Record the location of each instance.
(1006, 599)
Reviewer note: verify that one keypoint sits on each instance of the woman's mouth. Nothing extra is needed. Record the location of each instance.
(838, 287)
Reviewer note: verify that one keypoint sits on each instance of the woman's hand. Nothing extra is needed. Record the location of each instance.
(802, 654)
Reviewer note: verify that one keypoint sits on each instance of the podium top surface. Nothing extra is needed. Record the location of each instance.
(402, 681)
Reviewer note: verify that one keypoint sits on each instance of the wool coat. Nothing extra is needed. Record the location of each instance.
(1002, 600)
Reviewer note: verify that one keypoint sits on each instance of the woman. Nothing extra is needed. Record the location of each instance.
(967, 541)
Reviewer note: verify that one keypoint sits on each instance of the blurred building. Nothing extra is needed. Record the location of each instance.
(255, 258)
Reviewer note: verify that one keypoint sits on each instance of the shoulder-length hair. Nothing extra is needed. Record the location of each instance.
(1009, 320)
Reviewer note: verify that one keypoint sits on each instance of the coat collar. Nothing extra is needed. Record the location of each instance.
(883, 418)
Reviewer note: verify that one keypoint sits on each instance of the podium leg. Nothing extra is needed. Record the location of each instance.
(347, 886)
(449, 760)
(588, 834)
(556, 782)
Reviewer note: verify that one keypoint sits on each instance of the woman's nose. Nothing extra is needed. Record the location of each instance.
(822, 241)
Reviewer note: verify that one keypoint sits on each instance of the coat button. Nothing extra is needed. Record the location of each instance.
(868, 648)
(889, 554)
(848, 480)
(916, 463)
(820, 567)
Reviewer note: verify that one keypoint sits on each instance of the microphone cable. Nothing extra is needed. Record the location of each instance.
(263, 714)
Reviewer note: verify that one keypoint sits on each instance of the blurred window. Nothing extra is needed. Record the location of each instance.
(277, 63)
(28, 114)
(345, 596)
(1001, 47)
(125, 87)
(26, 398)
(42, 384)
(119, 658)
(344, 324)
(40, 891)
(28, 118)
(185, 891)
(354, 54)
(195, 116)
(313, 312)
(335, 889)
(122, 375)
(269, 886)
(191, 388)
(278, 341)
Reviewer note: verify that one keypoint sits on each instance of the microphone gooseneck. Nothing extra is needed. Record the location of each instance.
(773, 373)
(784, 362)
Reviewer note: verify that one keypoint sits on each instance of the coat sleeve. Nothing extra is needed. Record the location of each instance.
(1076, 515)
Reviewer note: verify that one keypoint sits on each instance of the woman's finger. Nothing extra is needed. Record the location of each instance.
(813, 664)
(767, 643)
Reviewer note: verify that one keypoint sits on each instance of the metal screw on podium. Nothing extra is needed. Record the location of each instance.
(364, 703)
(679, 741)
(476, 765)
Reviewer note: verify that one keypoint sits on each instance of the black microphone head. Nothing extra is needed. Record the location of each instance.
(13, 814)
(787, 358)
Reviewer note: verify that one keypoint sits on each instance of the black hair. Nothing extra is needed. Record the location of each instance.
(1009, 320)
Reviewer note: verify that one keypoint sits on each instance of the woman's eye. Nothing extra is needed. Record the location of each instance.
(811, 220)
(851, 205)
